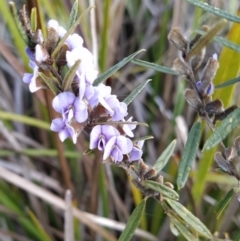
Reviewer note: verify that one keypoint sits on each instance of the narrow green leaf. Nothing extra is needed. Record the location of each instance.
(222, 204)
(182, 229)
(223, 41)
(41, 231)
(33, 19)
(206, 39)
(164, 157)
(221, 131)
(49, 82)
(115, 68)
(161, 188)
(143, 138)
(153, 66)
(228, 83)
(189, 218)
(73, 15)
(25, 119)
(219, 12)
(70, 31)
(135, 92)
(133, 222)
(189, 153)
(68, 79)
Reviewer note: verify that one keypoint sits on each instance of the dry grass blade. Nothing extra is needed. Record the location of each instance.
(89, 220)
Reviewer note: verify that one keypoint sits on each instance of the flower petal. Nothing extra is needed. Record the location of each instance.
(94, 136)
(27, 77)
(80, 110)
(57, 124)
(109, 147)
(62, 101)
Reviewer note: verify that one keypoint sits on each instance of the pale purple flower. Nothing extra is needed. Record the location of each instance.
(116, 147)
(70, 106)
(208, 91)
(74, 41)
(64, 129)
(30, 54)
(100, 135)
(127, 128)
(136, 152)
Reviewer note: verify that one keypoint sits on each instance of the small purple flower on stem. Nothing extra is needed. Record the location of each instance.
(100, 135)
(127, 128)
(70, 106)
(64, 129)
(136, 152)
(116, 147)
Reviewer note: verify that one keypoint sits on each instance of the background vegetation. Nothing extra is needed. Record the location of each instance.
(36, 168)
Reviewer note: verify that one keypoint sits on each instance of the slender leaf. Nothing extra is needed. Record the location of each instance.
(73, 15)
(41, 231)
(164, 157)
(223, 41)
(40, 152)
(70, 31)
(228, 83)
(225, 127)
(115, 68)
(49, 82)
(182, 229)
(222, 204)
(161, 188)
(24, 119)
(33, 19)
(68, 79)
(206, 39)
(143, 138)
(216, 11)
(133, 222)
(153, 66)
(135, 92)
(189, 218)
(189, 153)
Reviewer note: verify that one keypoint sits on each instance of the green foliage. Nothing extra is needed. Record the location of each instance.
(133, 222)
(115, 68)
(189, 154)
(134, 94)
(164, 157)
(224, 128)
(222, 204)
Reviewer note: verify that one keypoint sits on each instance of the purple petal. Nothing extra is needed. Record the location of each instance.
(30, 54)
(109, 131)
(57, 124)
(135, 154)
(27, 77)
(80, 110)
(109, 147)
(74, 41)
(53, 24)
(124, 144)
(94, 136)
(117, 155)
(62, 101)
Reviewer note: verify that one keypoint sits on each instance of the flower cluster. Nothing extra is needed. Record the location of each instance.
(80, 105)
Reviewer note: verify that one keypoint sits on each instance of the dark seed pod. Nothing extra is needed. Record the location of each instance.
(224, 114)
(52, 39)
(214, 107)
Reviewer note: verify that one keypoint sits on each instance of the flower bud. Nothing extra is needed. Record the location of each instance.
(177, 39)
(52, 39)
(41, 54)
(192, 99)
(181, 67)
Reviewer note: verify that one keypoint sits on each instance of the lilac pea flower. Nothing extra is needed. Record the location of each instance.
(116, 147)
(70, 107)
(91, 95)
(208, 91)
(136, 152)
(100, 135)
(127, 128)
(74, 41)
(64, 129)
(53, 24)
(118, 109)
